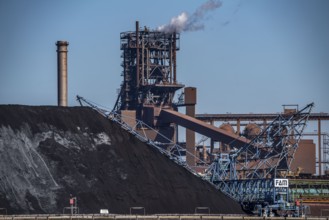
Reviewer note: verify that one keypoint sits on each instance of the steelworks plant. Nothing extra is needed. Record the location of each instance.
(245, 154)
(260, 161)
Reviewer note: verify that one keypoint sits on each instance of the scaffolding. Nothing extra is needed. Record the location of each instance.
(149, 69)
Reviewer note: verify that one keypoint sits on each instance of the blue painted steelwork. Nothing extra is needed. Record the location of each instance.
(268, 155)
(243, 173)
(173, 153)
(247, 174)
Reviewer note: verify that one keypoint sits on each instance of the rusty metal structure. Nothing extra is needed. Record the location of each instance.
(245, 164)
(149, 70)
(148, 89)
(270, 153)
(244, 161)
(244, 122)
(147, 94)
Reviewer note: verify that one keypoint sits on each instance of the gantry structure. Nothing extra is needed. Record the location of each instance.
(263, 120)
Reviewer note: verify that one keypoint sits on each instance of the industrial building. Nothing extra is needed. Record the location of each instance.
(244, 152)
(147, 94)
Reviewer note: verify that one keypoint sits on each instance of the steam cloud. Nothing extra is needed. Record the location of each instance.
(184, 22)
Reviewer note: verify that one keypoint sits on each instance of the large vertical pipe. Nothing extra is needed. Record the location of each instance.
(143, 58)
(174, 57)
(170, 60)
(62, 72)
(319, 147)
(212, 142)
(190, 94)
(238, 126)
(137, 54)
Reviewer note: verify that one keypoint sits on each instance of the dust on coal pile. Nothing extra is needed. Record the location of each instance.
(48, 153)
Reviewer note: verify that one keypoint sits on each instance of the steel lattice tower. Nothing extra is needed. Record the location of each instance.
(149, 69)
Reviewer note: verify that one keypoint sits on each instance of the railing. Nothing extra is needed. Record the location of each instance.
(149, 217)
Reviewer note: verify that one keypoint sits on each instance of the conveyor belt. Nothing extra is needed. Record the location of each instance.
(203, 128)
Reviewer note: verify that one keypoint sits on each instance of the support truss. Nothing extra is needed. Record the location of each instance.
(246, 191)
(246, 174)
(241, 174)
(270, 154)
(174, 152)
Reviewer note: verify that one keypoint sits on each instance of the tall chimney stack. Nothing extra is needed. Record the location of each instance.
(62, 72)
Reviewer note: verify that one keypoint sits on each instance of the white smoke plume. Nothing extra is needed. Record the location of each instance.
(184, 22)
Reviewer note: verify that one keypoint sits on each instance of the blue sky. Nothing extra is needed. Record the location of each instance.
(252, 56)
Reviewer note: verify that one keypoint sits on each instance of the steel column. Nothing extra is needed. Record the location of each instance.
(319, 147)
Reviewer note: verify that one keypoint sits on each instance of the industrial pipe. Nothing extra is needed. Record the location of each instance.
(62, 72)
(137, 54)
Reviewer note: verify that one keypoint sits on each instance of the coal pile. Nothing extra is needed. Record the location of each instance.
(48, 153)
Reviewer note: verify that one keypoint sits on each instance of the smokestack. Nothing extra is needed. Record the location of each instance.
(62, 72)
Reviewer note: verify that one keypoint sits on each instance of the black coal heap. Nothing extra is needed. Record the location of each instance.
(48, 153)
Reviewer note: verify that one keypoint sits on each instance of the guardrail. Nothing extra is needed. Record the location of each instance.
(149, 217)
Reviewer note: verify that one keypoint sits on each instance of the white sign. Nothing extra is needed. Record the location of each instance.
(104, 211)
(281, 183)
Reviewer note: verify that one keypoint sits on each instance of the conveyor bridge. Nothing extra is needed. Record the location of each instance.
(203, 128)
